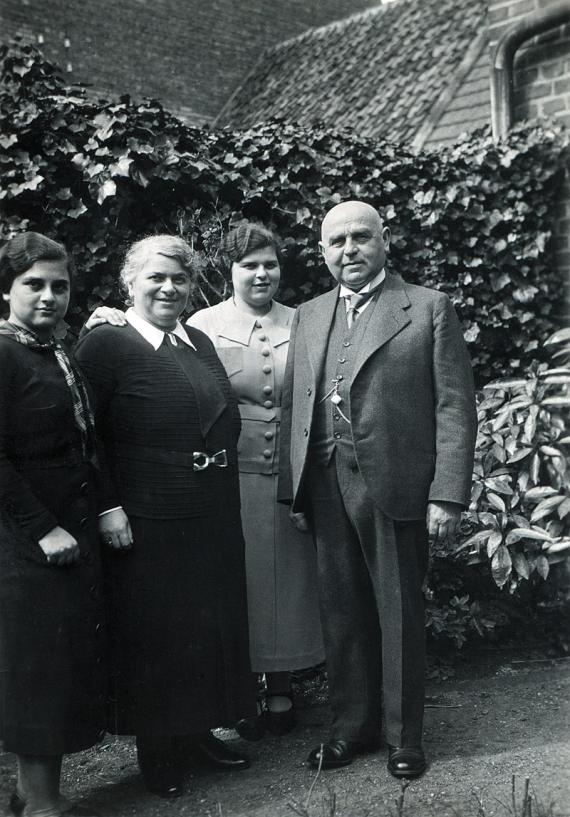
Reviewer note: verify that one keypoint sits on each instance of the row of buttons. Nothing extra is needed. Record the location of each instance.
(267, 390)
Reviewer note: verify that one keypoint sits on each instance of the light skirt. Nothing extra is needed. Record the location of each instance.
(284, 622)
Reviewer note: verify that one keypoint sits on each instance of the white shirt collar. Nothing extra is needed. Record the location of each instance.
(152, 334)
(344, 291)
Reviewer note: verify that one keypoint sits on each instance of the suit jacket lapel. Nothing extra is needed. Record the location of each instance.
(388, 318)
(318, 324)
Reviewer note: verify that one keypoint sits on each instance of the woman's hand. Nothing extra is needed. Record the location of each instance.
(60, 547)
(115, 529)
(299, 521)
(106, 314)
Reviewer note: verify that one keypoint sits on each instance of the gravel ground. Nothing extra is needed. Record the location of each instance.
(513, 718)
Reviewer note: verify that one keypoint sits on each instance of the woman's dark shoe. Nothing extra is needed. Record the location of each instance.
(210, 751)
(160, 773)
(279, 721)
(17, 803)
(251, 728)
(406, 761)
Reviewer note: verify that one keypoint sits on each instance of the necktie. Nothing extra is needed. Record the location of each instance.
(355, 301)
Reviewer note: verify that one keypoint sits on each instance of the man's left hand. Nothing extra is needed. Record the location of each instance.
(443, 521)
(106, 314)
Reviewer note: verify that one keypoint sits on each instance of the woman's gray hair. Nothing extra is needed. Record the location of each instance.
(172, 246)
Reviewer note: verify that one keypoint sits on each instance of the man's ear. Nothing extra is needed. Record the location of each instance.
(386, 235)
(322, 248)
(6, 297)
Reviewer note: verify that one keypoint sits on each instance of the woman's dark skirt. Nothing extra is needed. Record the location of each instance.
(52, 633)
(178, 628)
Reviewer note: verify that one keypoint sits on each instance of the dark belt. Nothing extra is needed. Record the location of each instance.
(197, 460)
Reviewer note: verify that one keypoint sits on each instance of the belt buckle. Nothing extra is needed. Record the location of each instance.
(202, 460)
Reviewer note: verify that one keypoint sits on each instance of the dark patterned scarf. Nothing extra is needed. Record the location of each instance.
(81, 408)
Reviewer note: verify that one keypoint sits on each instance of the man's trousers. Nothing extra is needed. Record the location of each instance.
(370, 574)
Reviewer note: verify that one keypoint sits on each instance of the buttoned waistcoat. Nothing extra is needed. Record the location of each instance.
(412, 404)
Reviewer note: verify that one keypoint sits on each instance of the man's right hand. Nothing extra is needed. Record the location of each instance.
(299, 521)
(106, 314)
(60, 547)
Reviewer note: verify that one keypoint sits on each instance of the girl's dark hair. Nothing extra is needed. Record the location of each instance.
(246, 238)
(22, 251)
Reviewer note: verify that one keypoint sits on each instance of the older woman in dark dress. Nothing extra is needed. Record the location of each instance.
(177, 615)
(51, 617)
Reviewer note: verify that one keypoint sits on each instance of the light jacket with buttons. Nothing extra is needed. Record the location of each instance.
(253, 350)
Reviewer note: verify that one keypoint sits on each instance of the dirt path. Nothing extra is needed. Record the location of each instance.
(512, 721)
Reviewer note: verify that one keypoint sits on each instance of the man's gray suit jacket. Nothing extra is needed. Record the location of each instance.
(412, 400)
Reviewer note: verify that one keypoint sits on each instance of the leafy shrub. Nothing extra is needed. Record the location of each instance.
(473, 221)
(518, 524)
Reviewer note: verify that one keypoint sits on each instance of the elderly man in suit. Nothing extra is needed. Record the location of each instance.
(378, 430)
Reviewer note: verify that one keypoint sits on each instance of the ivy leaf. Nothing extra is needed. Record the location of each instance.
(499, 280)
(8, 140)
(108, 188)
(75, 212)
(121, 168)
(470, 335)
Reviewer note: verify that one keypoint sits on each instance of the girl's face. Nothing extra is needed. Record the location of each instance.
(39, 297)
(255, 278)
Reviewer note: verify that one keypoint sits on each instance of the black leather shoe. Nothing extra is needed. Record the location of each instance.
(17, 803)
(336, 753)
(210, 751)
(279, 723)
(160, 773)
(406, 761)
(251, 728)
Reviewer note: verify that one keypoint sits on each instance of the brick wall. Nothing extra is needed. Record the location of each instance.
(542, 90)
(191, 54)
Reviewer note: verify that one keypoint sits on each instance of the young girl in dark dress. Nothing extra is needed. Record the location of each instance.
(51, 617)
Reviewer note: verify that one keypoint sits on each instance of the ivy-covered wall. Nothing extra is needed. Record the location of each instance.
(473, 221)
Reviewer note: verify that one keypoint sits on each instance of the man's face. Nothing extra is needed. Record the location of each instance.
(354, 243)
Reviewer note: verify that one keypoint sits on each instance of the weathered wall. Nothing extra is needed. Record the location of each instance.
(542, 89)
(188, 53)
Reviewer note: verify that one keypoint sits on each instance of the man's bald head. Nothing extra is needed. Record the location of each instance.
(349, 211)
(354, 243)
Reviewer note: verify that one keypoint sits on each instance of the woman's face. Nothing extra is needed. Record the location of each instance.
(39, 297)
(256, 277)
(160, 291)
